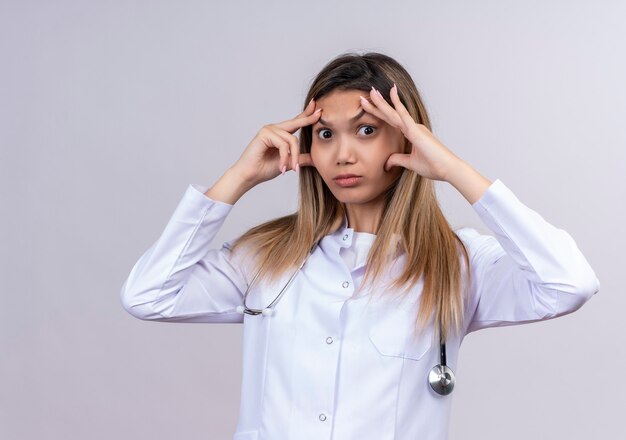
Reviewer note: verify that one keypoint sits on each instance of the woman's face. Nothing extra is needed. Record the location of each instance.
(361, 146)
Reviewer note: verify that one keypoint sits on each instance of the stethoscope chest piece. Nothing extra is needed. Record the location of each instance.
(441, 379)
(267, 311)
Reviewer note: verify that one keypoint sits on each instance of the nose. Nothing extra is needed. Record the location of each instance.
(345, 151)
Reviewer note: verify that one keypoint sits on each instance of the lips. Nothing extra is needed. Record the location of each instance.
(347, 180)
(345, 176)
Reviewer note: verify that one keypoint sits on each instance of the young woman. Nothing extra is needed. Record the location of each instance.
(356, 304)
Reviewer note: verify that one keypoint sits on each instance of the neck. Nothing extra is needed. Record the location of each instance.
(363, 217)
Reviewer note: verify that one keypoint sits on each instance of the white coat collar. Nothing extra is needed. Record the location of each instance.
(342, 237)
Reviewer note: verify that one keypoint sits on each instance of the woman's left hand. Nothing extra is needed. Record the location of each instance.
(429, 157)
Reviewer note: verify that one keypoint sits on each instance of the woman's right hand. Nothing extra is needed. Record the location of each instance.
(275, 149)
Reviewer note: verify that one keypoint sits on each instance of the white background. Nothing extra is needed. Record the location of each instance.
(108, 110)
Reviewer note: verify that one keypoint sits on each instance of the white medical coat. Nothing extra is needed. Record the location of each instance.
(328, 366)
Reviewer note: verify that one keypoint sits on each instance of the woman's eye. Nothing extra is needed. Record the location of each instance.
(322, 130)
(370, 129)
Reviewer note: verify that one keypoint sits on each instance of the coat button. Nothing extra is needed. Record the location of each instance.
(329, 340)
(345, 237)
(322, 417)
(345, 284)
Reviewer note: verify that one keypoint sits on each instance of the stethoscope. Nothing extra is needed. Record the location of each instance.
(441, 377)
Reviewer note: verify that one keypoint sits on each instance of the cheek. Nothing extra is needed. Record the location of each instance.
(378, 161)
(319, 159)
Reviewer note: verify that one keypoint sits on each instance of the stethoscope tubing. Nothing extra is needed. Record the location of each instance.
(441, 377)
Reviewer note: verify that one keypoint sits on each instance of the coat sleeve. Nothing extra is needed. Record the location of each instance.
(181, 278)
(529, 270)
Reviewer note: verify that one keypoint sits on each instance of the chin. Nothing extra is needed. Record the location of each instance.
(351, 196)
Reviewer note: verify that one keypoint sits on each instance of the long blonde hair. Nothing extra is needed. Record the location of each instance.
(412, 218)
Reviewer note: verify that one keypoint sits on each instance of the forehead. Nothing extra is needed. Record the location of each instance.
(342, 98)
(342, 104)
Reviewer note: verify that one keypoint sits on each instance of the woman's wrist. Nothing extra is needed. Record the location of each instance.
(467, 180)
(229, 188)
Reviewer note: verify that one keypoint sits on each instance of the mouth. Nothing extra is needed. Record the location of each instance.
(345, 176)
(346, 180)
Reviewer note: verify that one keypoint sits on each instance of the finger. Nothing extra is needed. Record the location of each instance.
(271, 139)
(294, 147)
(369, 107)
(306, 160)
(308, 117)
(309, 109)
(398, 159)
(390, 114)
(406, 117)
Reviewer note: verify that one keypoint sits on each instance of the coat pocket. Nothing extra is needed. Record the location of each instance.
(246, 435)
(392, 335)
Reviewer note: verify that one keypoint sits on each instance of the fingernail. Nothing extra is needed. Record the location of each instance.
(283, 169)
(297, 168)
(363, 99)
(310, 102)
(317, 111)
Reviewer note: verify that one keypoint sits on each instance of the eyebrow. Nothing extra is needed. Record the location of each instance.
(352, 119)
